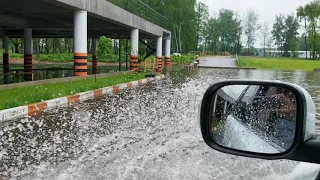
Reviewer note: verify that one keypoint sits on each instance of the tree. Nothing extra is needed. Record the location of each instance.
(265, 32)
(202, 14)
(278, 31)
(182, 22)
(311, 13)
(104, 47)
(291, 33)
(302, 16)
(285, 31)
(251, 26)
(223, 33)
(17, 42)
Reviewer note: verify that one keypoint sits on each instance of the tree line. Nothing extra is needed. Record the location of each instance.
(194, 29)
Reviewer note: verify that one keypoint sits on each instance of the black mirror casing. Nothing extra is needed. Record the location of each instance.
(206, 118)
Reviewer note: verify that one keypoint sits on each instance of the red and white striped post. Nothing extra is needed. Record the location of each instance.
(159, 54)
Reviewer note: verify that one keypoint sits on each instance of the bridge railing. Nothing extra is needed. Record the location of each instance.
(142, 10)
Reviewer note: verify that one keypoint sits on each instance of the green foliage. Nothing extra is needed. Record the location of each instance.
(223, 33)
(285, 32)
(17, 42)
(311, 13)
(314, 41)
(60, 58)
(279, 63)
(17, 96)
(182, 22)
(55, 57)
(110, 58)
(104, 47)
(16, 55)
(278, 30)
(202, 14)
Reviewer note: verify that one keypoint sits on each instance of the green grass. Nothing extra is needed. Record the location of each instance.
(55, 57)
(182, 60)
(15, 55)
(21, 96)
(109, 58)
(279, 63)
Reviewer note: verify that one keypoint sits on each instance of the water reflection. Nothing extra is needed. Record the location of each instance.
(45, 72)
(149, 132)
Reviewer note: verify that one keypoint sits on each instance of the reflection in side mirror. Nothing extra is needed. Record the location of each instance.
(254, 118)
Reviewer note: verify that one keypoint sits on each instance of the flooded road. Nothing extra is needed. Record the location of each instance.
(149, 132)
(217, 61)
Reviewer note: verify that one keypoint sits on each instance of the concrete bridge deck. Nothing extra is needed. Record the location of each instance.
(80, 19)
(54, 18)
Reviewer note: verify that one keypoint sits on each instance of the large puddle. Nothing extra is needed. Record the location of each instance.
(42, 72)
(149, 132)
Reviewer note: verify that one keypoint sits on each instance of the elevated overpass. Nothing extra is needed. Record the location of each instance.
(80, 19)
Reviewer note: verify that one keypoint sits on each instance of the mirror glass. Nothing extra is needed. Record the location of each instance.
(254, 118)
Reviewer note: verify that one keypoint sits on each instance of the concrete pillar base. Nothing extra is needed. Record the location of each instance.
(28, 75)
(159, 69)
(80, 64)
(167, 61)
(134, 63)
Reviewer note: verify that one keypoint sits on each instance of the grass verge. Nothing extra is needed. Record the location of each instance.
(109, 58)
(290, 64)
(182, 60)
(32, 94)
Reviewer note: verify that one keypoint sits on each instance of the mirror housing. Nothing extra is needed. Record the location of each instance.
(305, 121)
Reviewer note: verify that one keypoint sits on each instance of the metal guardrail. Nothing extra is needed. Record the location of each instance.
(142, 10)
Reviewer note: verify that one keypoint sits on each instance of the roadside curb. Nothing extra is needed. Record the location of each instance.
(37, 108)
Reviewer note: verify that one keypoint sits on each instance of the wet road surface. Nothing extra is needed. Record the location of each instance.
(217, 61)
(149, 132)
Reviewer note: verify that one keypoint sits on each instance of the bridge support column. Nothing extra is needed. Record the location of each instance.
(5, 63)
(134, 49)
(167, 52)
(94, 56)
(80, 43)
(27, 54)
(159, 54)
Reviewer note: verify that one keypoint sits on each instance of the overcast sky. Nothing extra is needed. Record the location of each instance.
(267, 9)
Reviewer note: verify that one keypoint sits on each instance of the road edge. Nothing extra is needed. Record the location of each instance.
(36, 108)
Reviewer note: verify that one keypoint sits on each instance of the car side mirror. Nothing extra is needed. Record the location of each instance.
(259, 119)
